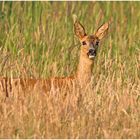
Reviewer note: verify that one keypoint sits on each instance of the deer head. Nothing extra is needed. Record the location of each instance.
(89, 43)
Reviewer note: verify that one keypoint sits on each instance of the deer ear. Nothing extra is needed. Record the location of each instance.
(78, 28)
(102, 30)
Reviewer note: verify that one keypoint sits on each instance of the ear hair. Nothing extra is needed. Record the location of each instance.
(78, 28)
(102, 30)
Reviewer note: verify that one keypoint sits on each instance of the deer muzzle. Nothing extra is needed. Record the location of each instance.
(91, 53)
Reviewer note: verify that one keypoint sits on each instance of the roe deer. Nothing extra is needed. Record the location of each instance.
(88, 51)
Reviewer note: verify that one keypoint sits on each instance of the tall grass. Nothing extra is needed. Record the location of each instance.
(37, 40)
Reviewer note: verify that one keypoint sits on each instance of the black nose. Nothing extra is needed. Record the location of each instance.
(92, 52)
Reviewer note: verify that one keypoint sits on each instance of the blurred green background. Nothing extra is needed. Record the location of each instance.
(37, 38)
(37, 41)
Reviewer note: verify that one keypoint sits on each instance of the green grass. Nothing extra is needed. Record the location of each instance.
(37, 40)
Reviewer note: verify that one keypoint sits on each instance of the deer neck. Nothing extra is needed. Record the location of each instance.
(84, 70)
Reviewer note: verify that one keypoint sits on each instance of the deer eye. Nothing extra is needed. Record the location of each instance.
(84, 43)
(97, 43)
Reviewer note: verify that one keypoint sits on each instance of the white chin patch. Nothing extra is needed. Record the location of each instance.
(91, 56)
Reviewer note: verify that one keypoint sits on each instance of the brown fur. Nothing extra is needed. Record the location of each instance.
(81, 78)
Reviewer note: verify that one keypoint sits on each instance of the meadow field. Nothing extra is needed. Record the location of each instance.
(37, 41)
